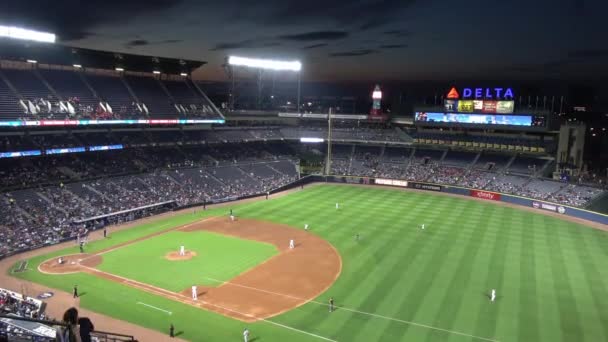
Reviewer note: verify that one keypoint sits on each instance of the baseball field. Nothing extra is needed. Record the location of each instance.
(390, 279)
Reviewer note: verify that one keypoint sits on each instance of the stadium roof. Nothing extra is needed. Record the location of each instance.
(55, 54)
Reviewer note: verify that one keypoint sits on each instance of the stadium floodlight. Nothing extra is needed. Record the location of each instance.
(265, 63)
(156, 72)
(184, 74)
(77, 66)
(32, 61)
(25, 34)
(311, 140)
(119, 69)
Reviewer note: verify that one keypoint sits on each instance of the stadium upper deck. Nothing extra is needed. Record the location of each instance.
(52, 85)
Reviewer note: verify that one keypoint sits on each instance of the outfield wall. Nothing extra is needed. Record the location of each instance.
(482, 194)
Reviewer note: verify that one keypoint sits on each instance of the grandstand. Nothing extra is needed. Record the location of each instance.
(83, 148)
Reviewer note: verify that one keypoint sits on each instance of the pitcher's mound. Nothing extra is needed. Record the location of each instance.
(174, 256)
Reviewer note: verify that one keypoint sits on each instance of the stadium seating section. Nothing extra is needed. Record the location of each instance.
(34, 94)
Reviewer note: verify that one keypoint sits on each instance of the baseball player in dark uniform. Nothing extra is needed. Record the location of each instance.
(75, 291)
(331, 304)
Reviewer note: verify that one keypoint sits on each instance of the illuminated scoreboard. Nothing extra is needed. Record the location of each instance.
(480, 100)
(481, 108)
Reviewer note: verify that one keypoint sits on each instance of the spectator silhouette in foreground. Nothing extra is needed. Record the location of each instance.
(86, 328)
(71, 332)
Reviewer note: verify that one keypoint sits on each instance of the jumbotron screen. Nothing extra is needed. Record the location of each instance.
(481, 119)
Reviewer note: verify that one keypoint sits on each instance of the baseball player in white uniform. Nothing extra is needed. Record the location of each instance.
(291, 244)
(232, 218)
(337, 205)
(246, 335)
(194, 292)
(493, 295)
(306, 226)
(182, 251)
(422, 227)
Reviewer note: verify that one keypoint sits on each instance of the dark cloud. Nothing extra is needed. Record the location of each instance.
(244, 44)
(372, 24)
(398, 33)
(137, 42)
(144, 42)
(362, 14)
(73, 19)
(315, 46)
(588, 53)
(315, 35)
(353, 53)
(393, 46)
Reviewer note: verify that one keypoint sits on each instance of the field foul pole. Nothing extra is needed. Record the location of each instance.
(328, 162)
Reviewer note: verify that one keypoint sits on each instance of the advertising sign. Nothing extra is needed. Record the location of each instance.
(505, 107)
(393, 182)
(466, 106)
(492, 196)
(478, 104)
(424, 186)
(451, 105)
(489, 106)
(483, 119)
(550, 207)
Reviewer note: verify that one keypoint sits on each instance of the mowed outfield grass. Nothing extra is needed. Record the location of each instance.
(218, 257)
(401, 283)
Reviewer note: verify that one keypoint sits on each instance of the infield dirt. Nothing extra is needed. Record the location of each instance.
(287, 280)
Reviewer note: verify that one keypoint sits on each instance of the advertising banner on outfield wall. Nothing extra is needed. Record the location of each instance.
(392, 182)
(492, 196)
(424, 186)
(549, 207)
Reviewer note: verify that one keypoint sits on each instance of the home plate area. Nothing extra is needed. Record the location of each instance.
(284, 281)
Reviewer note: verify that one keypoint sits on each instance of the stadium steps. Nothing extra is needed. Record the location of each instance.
(101, 194)
(24, 212)
(47, 84)
(76, 197)
(404, 136)
(164, 88)
(350, 159)
(68, 172)
(170, 178)
(195, 87)
(544, 168)
(246, 175)
(212, 176)
(509, 163)
(275, 170)
(129, 89)
(410, 158)
(445, 153)
(470, 166)
(51, 203)
(10, 85)
(88, 85)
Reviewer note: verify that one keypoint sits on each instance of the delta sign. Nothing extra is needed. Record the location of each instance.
(480, 93)
(480, 100)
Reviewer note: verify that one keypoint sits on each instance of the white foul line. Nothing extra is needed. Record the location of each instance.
(148, 237)
(298, 330)
(163, 292)
(360, 312)
(154, 307)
